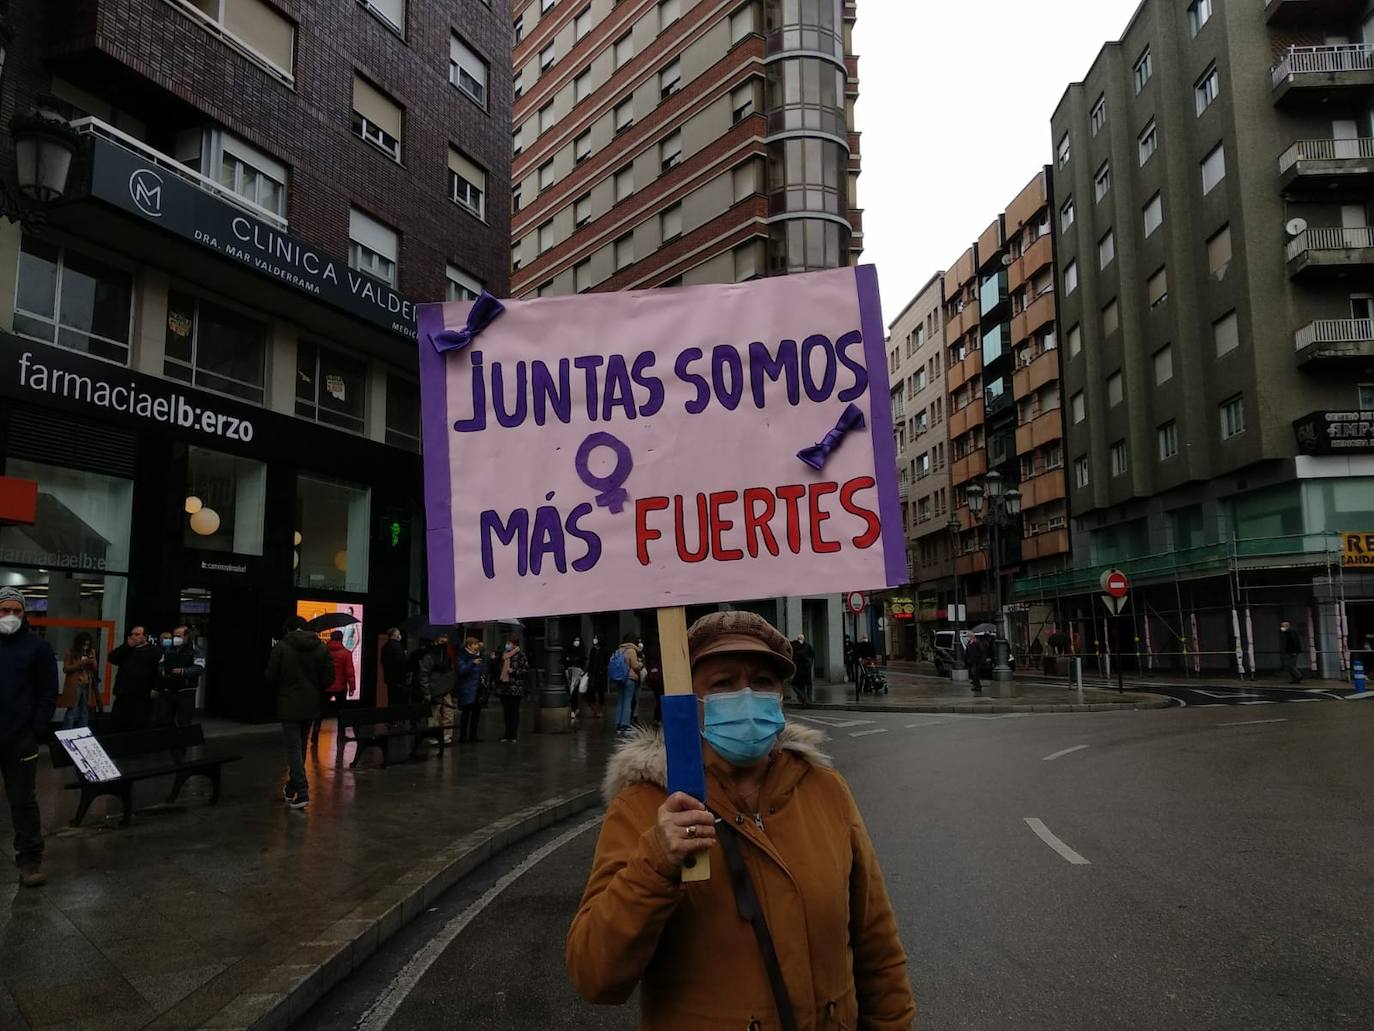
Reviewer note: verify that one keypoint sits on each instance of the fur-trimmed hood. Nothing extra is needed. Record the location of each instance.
(643, 758)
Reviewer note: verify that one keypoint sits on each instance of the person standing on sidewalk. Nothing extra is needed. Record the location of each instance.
(622, 674)
(345, 680)
(28, 698)
(515, 670)
(394, 667)
(596, 678)
(182, 668)
(136, 662)
(467, 689)
(973, 659)
(805, 658)
(436, 681)
(300, 669)
(79, 682)
(1289, 650)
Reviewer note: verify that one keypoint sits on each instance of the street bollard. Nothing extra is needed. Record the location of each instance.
(1078, 676)
(1357, 676)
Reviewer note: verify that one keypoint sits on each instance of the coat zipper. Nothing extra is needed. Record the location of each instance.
(758, 820)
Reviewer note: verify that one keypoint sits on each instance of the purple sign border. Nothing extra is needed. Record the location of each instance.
(880, 406)
(443, 605)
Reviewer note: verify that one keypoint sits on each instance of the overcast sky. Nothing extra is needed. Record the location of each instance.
(954, 106)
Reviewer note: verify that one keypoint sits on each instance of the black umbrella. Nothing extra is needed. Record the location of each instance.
(984, 630)
(330, 621)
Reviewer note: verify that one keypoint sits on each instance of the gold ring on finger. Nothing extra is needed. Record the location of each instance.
(692, 831)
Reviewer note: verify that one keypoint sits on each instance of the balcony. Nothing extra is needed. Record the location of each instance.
(961, 323)
(1045, 428)
(1038, 314)
(1288, 13)
(966, 468)
(968, 564)
(1330, 251)
(1327, 164)
(899, 409)
(1042, 489)
(965, 418)
(1045, 545)
(1319, 75)
(1334, 341)
(1042, 369)
(961, 372)
(1032, 260)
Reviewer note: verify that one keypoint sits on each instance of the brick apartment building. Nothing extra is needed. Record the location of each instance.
(208, 352)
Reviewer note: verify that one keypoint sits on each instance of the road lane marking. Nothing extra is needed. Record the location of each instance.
(1250, 723)
(1222, 694)
(865, 733)
(379, 1014)
(838, 723)
(927, 723)
(1063, 752)
(1047, 836)
(1357, 697)
(1295, 701)
(1256, 703)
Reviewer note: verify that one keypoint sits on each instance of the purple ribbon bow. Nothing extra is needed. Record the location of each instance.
(482, 314)
(815, 456)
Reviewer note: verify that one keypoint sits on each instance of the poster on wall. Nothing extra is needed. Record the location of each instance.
(352, 633)
(658, 448)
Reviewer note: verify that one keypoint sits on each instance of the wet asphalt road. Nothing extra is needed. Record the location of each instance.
(1181, 868)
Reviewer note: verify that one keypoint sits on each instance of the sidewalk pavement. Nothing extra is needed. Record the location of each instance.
(1164, 678)
(242, 915)
(922, 693)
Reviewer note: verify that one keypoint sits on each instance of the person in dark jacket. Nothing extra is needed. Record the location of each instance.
(975, 654)
(28, 698)
(136, 664)
(436, 681)
(805, 658)
(181, 670)
(597, 658)
(300, 669)
(394, 668)
(467, 689)
(1289, 650)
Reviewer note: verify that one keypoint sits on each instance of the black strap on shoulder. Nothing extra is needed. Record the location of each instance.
(747, 904)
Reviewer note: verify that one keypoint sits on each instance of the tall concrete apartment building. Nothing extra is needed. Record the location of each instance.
(1214, 217)
(678, 142)
(207, 353)
(1003, 402)
(916, 369)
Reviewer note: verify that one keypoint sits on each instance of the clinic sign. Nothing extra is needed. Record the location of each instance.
(1335, 433)
(1357, 551)
(659, 448)
(125, 179)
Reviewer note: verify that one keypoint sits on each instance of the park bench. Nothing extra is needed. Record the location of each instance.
(373, 728)
(143, 755)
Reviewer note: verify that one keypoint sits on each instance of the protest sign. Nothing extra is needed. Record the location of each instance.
(659, 448)
(88, 755)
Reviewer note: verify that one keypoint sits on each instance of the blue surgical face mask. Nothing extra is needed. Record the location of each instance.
(742, 725)
(509, 646)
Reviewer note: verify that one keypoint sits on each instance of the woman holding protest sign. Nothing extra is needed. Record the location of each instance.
(822, 951)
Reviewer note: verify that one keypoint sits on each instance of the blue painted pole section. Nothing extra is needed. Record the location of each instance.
(682, 735)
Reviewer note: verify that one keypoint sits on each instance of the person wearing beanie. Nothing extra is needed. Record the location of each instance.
(795, 839)
(28, 698)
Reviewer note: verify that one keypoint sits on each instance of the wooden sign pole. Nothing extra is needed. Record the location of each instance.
(686, 771)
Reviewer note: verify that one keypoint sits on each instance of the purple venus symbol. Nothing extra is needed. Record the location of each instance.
(613, 494)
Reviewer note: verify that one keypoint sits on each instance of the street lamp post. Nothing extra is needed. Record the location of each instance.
(996, 506)
(44, 146)
(958, 672)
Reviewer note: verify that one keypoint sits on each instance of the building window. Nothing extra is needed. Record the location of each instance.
(670, 150)
(545, 6)
(331, 387)
(1205, 90)
(232, 492)
(372, 246)
(516, 261)
(624, 183)
(546, 236)
(1213, 169)
(1115, 392)
(1147, 142)
(1232, 417)
(742, 102)
(1102, 181)
(517, 140)
(1164, 364)
(402, 412)
(625, 114)
(624, 50)
(582, 24)
(68, 299)
(1118, 454)
(671, 222)
(624, 252)
(214, 348)
(1157, 288)
(1111, 318)
(245, 171)
(467, 183)
(1153, 214)
(668, 12)
(582, 210)
(517, 84)
(333, 520)
(252, 26)
(1078, 408)
(1070, 277)
(546, 119)
(582, 147)
(1144, 68)
(1366, 397)
(376, 118)
(1080, 471)
(1065, 150)
(1106, 250)
(392, 12)
(741, 23)
(1168, 440)
(467, 71)
(1097, 118)
(1219, 251)
(546, 58)
(460, 286)
(1199, 14)
(670, 79)
(545, 175)
(1226, 333)
(1066, 216)
(1075, 342)
(582, 86)
(518, 27)
(582, 276)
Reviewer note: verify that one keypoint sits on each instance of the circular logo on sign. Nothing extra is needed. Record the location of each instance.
(145, 190)
(856, 601)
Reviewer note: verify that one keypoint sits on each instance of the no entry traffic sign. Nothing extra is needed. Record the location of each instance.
(856, 601)
(1115, 583)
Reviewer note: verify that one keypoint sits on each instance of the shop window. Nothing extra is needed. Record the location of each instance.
(331, 387)
(331, 535)
(402, 412)
(82, 521)
(214, 348)
(68, 299)
(225, 501)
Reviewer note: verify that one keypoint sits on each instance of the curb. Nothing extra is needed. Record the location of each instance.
(1146, 702)
(284, 993)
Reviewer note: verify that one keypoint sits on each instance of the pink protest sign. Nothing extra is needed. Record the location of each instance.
(660, 447)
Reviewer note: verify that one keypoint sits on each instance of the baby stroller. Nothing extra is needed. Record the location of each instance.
(872, 680)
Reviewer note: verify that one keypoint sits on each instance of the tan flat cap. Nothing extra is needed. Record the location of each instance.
(721, 633)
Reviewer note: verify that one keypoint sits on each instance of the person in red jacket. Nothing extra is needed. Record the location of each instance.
(344, 679)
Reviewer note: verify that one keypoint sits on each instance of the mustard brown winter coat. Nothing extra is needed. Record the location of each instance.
(813, 867)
